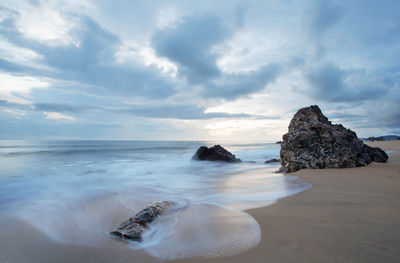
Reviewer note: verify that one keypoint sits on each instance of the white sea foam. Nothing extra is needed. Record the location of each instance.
(77, 192)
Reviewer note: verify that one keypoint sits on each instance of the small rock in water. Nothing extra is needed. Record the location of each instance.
(133, 228)
(273, 161)
(215, 153)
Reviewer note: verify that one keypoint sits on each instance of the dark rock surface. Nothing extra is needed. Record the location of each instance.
(381, 138)
(314, 142)
(215, 153)
(373, 139)
(133, 228)
(273, 161)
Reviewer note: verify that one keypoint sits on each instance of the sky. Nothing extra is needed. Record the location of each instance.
(195, 70)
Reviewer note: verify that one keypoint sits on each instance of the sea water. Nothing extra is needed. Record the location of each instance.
(76, 192)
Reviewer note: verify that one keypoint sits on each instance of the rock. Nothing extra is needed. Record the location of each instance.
(133, 228)
(377, 154)
(398, 138)
(281, 170)
(381, 138)
(373, 139)
(314, 142)
(215, 153)
(273, 161)
(279, 142)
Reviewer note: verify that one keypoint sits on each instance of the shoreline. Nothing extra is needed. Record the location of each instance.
(349, 215)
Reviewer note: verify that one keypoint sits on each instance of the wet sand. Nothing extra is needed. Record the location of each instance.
(350, 215)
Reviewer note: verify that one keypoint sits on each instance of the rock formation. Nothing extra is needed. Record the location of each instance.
(314, 142)
(215, 153)
(273, 160)
(133, 228)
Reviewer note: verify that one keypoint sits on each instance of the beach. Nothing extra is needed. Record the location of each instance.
(349, 215)
(199, 131)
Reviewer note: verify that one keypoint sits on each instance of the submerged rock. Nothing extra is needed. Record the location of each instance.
(215, 153)
(133, 228)
(314, 142)
(273, 160)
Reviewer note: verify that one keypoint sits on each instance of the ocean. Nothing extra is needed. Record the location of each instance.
(76, 192)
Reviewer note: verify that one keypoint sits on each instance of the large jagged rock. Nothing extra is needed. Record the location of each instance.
(215, 153)
(133, 228)
(314, 142)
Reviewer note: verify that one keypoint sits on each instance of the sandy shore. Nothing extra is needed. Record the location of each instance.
(350, 215)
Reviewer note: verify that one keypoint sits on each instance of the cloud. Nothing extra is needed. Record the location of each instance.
(235, 85)
(188, 43)
(163, 111)
(90, 61)
(58, 116)
(324, 15)
(184, 112)
(18, 55)
(16, 88)
(62, 107)
(138, 66)
(330, 83)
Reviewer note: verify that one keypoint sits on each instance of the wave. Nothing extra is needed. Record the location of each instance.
(78, 194)
(82, 151)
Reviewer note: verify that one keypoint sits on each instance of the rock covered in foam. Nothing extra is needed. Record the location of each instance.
(314, 142)
(215, 153)
(133, 228)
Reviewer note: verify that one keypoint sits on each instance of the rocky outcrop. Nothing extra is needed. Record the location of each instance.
(133, 228)
(215, 153)
(381, 138)
(314, 142)
(273, 160)
(373, 139)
